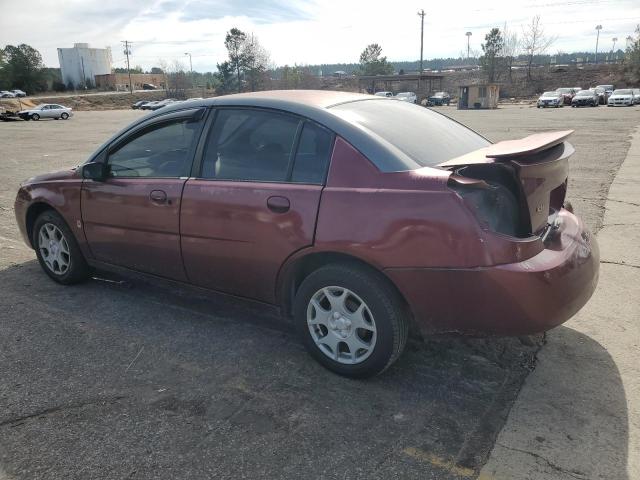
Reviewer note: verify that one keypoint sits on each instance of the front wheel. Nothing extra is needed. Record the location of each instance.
(57, 250)
(351, 320)
(64, 116)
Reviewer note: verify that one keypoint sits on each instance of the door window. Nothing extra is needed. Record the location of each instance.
(161, 151)
(250, 145)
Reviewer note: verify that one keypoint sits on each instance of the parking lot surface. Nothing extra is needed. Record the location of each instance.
(132, 378)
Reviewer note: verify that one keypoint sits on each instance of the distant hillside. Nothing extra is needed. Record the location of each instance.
(442, 63)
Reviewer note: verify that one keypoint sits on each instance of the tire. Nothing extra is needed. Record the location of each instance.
(35, 116)
(53, 228)
(64, 116)
(353, 288)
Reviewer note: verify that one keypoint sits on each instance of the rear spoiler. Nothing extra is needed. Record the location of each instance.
(508, 149)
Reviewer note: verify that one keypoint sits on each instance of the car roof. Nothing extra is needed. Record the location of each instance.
(312, 104)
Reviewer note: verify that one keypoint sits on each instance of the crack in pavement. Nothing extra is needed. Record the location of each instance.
(574, 474)
(623, 264)
(58, 408)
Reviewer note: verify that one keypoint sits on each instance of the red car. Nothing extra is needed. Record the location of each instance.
(361, 217)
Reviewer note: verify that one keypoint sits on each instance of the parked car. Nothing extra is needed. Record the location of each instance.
(622, 97)
(163, 103)
(275, 202)
(551, 99)
(585, 98)
(19, 93)
(636, 96)
(384, 94)
(139, 104)
(407, 97)
(567, 94)
(46, 110)
(149, 86)
(439, 99)
(148, 105)
(602, 94)
(607, 88)
(6, 94)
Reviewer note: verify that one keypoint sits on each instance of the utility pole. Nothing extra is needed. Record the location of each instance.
(468, 34)
(190, 68)
(421, 14)
(598, 28)
(127, 52)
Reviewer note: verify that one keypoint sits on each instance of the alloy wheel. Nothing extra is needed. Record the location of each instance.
(54, 249)
(341, 325)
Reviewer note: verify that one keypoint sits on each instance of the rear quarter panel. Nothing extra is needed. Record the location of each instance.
(403, 219)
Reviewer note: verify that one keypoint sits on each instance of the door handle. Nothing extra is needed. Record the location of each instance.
(278, 204)
(158, 196)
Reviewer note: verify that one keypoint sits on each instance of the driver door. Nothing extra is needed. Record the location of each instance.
(132, 218)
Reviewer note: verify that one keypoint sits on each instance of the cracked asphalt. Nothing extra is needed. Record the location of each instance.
(133, 378)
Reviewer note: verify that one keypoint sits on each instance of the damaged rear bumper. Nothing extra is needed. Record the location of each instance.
(512, 299)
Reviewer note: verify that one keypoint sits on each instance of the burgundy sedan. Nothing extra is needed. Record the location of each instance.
(362, 217)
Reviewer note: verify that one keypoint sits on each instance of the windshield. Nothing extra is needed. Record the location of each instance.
(550, 94)
(439, 94)
(564, 90)
(404, 94)
(622, 92)
(584, 93)
(425, 136)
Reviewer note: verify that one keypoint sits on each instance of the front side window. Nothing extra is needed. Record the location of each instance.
(161, 151)
(250, 145)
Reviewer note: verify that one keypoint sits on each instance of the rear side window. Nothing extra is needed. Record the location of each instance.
(250, 145)
(312, 156)
(427, 137)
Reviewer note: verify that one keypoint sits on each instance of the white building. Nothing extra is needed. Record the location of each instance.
(79, 65)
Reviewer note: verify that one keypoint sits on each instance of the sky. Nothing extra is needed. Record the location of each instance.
(302, 32)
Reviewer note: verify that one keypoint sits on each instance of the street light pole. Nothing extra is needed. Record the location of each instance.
(421, 14)
(598, 28)
(468, 34)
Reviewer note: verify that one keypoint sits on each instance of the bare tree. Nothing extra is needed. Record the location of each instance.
(257, 62)
(535, 41)
(510, 49)
(175, 78)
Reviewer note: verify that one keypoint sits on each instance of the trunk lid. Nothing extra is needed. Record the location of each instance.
(534, 169)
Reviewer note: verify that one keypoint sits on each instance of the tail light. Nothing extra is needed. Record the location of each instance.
(493, 205)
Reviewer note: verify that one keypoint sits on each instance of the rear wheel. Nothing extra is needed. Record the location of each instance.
(57, 250)
(351, 320)
(35, 116)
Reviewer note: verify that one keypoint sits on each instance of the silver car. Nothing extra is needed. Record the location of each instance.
(407, 97)
(46, 110)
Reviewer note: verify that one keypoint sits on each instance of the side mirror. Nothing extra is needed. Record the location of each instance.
(97, 171)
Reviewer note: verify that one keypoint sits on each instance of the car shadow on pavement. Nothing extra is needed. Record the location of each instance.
(128, 377)
(578, 391)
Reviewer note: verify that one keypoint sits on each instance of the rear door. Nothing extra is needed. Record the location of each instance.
(254, 199)
(133, 218)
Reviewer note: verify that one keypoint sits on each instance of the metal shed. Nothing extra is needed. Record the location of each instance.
(478, 96)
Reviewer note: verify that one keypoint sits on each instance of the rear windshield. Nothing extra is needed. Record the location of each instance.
(425, 136)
